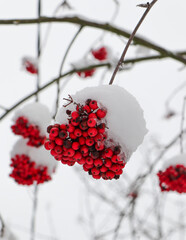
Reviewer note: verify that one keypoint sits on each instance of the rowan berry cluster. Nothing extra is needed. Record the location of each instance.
(26, 172)
(26, 130)
(173, 179)
(30, 66)
(85, 140)
(86, 73)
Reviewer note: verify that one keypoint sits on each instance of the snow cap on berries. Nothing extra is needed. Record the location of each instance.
(37, 114)
(125, 121)
(38, 155)
(172, 176)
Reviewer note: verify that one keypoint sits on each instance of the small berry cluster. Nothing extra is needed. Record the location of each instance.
(25, 171)
(85, 140)
(30, 66)
(100, 54)
(24, 128)
(173, 179)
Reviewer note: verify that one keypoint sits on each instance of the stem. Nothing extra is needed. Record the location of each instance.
(34, 210)
(182, 125)
(62, 65)
(149, 6)
(38, 47)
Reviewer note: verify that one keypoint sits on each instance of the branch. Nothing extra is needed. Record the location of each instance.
(149, 6)
(103, 26)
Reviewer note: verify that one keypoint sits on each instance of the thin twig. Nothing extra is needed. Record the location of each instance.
(62, 65)
(104, 26)
(182, 124)
(34, 211)
(149, 6)
(38, 47)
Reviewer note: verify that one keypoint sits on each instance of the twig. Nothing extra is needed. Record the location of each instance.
(38, 47)
(104, 26)
(182, 124)
(34, 210)
(62, 65)
(2, 227)
(149, 6)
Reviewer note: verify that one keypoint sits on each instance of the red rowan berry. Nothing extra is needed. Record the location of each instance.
(62, 134)
(70, 128)
(89, 160)
(92, 115)
(85, 168)
(89, 142)
(85, 134)
(83, 125)
(95, 154)
(93, 104)
(108, 153)
(75, 121)
(59, 141)
(103, 169)
(95, 171)
(115, 167)
(81, 161)
(92, 132)
(96, 176)
(54, 132)
(49, 128)
(77, 132)
(72, 136)
(91, 122)
(70, 152)
(99, 146)
(58, 149)
(75, 145)
(101, 113)
(119, 172)
(63, 127)
(100, 54)
(81, 140)
(110, 174)
(46, 145)
(108, 163)
(51, 145)
(67, 144)
(98, 162)
(98, 137)
(75, 114)
(84, 149)
(77, 156)
(88, 166)
(87, 108)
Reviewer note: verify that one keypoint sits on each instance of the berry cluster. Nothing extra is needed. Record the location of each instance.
(85, 140)
(30, 66)
(100, 54)
(173, 179)
(24, 128)
(86, 73)
(25, 171)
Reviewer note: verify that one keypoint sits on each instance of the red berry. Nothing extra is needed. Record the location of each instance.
(95, 154)
(108, 153)
(59, 141)
(108, 163)
(47, 145)
(92, 115)
(51, 145)
(85, 168)
(85, 134)
(88, 166)
(62, 134)
(89, 142)
(58, 149)
(87, 108)
(75, 121)
(98, 162)
(98, 137)
(77, 156)
(110, 174)
(89, 160)
(72, 136)
(100, 54)
(75, 145)
(101, 113)
(101, 128)
(75, 114)
(92, 132)
(115, 168)
(99, 146)
(84, 149)
(81, 161)
(93, 104)
(77, 132)
(96, 176)
(103, 169)
(119, 172)
(70, 152)
(49, 128)
(95, 171)
(83, 125)
(67, 144)
(81, 140)
(91, 122)
(54, 132)
(70, 128)
(63, 127)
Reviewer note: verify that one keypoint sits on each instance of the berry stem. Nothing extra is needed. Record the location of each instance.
(148, 7)
(34, 210)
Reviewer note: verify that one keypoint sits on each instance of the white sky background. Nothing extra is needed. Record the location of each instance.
(151, 83)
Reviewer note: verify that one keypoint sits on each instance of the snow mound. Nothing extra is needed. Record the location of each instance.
(38, 155)
(178, 159)
(37, 114)
(124, 115)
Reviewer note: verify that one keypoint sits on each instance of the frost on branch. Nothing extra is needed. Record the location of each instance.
(31, 122)
(172, 176)
(93, 130)
(31, 165)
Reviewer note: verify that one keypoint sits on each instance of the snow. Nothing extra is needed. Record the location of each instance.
(37, 114)
(178, 159)
(39, 155)
(124, 115)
